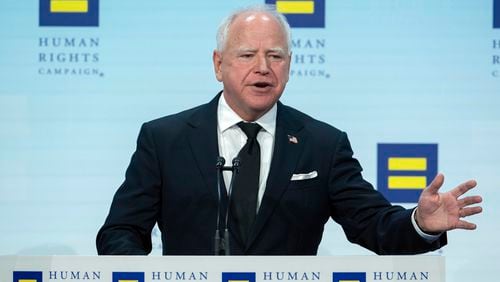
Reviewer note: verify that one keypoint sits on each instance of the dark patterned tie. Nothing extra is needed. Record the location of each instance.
(246, 182)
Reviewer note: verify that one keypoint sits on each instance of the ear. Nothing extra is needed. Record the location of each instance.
(217, 60)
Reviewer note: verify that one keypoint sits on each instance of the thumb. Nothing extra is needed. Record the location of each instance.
(436, 184)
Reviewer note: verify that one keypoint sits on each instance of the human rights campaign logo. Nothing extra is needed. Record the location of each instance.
(27, 276)
(69, 13)
(496, 14)
(303, 13)
(404, 170)
(349, 277)
(238, 276)
(128, 276)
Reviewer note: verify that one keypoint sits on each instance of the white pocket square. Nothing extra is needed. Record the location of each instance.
(304, 176)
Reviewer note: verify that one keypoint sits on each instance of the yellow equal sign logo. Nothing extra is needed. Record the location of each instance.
(295, 7)
(407, 164)
(69, 6)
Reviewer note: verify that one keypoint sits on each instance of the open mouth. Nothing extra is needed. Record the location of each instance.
(262, 85)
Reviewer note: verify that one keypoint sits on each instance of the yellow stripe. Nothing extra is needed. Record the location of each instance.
(295, 7)
(348, 280)
(69, 6)
(415, 164)
(27, 280)
(407, 182)
(122, 280)
(237, 280)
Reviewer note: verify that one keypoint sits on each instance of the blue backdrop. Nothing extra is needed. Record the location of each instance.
(72, 99)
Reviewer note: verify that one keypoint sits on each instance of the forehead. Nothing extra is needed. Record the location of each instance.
(256, 26)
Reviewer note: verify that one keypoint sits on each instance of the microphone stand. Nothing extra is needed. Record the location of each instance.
(222, 244)
(217, 243)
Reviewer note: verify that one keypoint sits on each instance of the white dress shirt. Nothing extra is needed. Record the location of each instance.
(231, 139)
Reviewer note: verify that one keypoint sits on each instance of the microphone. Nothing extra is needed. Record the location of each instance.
(235, 168)
(236, 164)
(219, 166)
(223, 245)
(220, 162)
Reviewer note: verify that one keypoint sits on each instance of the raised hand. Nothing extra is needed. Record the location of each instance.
(440, 212)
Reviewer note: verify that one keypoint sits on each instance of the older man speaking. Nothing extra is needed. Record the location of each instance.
(293, 172)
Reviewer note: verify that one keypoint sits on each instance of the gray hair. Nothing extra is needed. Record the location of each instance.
(224, 26)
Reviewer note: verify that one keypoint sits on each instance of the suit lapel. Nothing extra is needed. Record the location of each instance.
(204, 143)
(285, 156)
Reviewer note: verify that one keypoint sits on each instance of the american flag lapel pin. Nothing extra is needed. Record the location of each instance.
(292, 139)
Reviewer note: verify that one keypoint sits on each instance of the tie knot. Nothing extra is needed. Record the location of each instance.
(251, 129)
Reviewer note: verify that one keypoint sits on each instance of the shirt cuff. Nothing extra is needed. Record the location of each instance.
(427, 237)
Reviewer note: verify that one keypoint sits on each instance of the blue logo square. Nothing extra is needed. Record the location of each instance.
(349, 277)
(238, 276)
(404, 170)
(303, 13)
(69, 13)
(128, 276)
(25, 276)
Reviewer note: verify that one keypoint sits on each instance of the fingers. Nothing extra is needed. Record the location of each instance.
(463, 188)
(465, 212)
(469, 211)
(436, 184)
(462, 224)
(467, 201)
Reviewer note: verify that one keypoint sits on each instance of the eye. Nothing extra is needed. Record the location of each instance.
(246, 55)
(276, 57)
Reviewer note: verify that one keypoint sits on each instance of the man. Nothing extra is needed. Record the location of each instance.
(295, 173)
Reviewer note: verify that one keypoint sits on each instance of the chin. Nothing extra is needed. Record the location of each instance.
(264, 97)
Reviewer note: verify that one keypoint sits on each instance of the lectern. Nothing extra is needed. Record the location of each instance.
(221, 269)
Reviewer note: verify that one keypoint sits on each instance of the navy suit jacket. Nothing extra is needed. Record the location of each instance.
(171, 180)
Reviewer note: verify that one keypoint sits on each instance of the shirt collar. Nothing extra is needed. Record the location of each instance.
(227, 118)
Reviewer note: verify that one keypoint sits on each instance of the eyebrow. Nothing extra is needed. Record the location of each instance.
(275, 49)
(246, 49)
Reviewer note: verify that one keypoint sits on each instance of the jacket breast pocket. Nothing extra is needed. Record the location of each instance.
(304, 184)
(304, 203)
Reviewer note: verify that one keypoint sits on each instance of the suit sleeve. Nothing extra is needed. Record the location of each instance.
(135, 207)
(366, 217)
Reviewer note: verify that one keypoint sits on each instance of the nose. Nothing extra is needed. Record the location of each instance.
(262, 65)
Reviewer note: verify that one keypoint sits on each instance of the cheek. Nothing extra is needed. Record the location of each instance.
(281, 72)
(238, 75)
(233, 77)
(282, 78)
